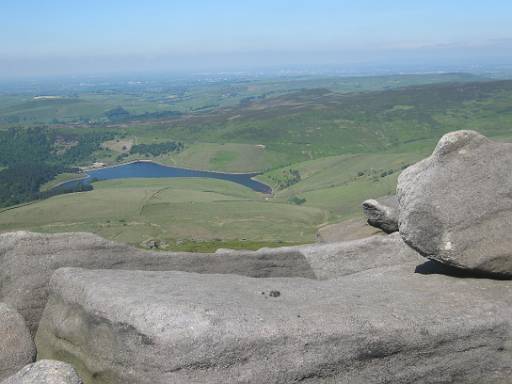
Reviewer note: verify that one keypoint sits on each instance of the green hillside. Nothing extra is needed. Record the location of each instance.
(323, 147)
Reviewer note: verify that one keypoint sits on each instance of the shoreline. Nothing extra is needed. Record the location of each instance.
(250, 175)
(254, 173)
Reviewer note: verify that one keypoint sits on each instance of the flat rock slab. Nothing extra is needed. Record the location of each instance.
(27, 261)
(332, 260)
(456, 205)
(386, 325)
(45, 372)
(16, 346)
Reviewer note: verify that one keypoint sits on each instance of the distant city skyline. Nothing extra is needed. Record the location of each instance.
(55, 37)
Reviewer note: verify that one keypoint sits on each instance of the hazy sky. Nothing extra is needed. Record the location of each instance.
(39, 37)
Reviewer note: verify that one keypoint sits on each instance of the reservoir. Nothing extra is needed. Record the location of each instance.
(149, 169)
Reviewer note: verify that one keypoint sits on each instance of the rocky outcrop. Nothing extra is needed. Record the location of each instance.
(363, 311)
(16, 346)
(382, 213)
(45, 372)
(456, 205)
(27, 261)
(385, 325)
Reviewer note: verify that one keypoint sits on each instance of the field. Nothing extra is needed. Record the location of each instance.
(324, 144)
(173, 211)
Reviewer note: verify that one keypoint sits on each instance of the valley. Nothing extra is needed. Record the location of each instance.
(323, 144)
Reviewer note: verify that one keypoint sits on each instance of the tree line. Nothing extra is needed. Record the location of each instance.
(29, 159)
(158, 148)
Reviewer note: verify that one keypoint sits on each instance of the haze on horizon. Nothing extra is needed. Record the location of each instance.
(59, 37)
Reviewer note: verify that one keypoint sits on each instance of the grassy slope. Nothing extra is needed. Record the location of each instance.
(337, 185)
(137, 210)
(341, 145)
(229, 157)
(313, 124)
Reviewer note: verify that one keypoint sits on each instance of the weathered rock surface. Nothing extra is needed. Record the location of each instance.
(385, 325)
(382, 213)
(45, 372)
(348, 230)
(332, 260)
(27, 261)
(16, 346)
(456, 205)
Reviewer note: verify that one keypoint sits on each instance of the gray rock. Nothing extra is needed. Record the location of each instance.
(45, 372)
(27, 261)
(456, 205)
(16, 346)
(382, 213)
(386, 325)
(332, 260)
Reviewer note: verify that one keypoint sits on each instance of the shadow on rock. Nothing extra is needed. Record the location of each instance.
(433, 267)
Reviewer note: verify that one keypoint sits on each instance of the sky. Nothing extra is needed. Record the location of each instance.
(51, 37)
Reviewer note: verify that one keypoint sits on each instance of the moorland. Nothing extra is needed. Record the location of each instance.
(324, 144)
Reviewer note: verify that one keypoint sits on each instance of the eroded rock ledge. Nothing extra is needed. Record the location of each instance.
(27, 261)
(379, 326)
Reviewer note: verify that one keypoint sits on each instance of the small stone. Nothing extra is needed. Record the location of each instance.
(382, 213)
(45, 372)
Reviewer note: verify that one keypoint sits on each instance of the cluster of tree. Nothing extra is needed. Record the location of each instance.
(297, 200)
(117, 114)
(120, 114)
(21, 182)
(287, 178)
(88, 143)
(157, 115)
(30, 160)
(157, 149)
(246, 101)
(32, 145)
(375, 174)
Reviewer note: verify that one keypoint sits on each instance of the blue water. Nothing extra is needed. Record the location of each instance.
(148, 169)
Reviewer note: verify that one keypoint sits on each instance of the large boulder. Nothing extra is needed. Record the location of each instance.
(27, 261)
(45, 372)
(382, 213)
(385, 325)
(16, 346)
(456, 205)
